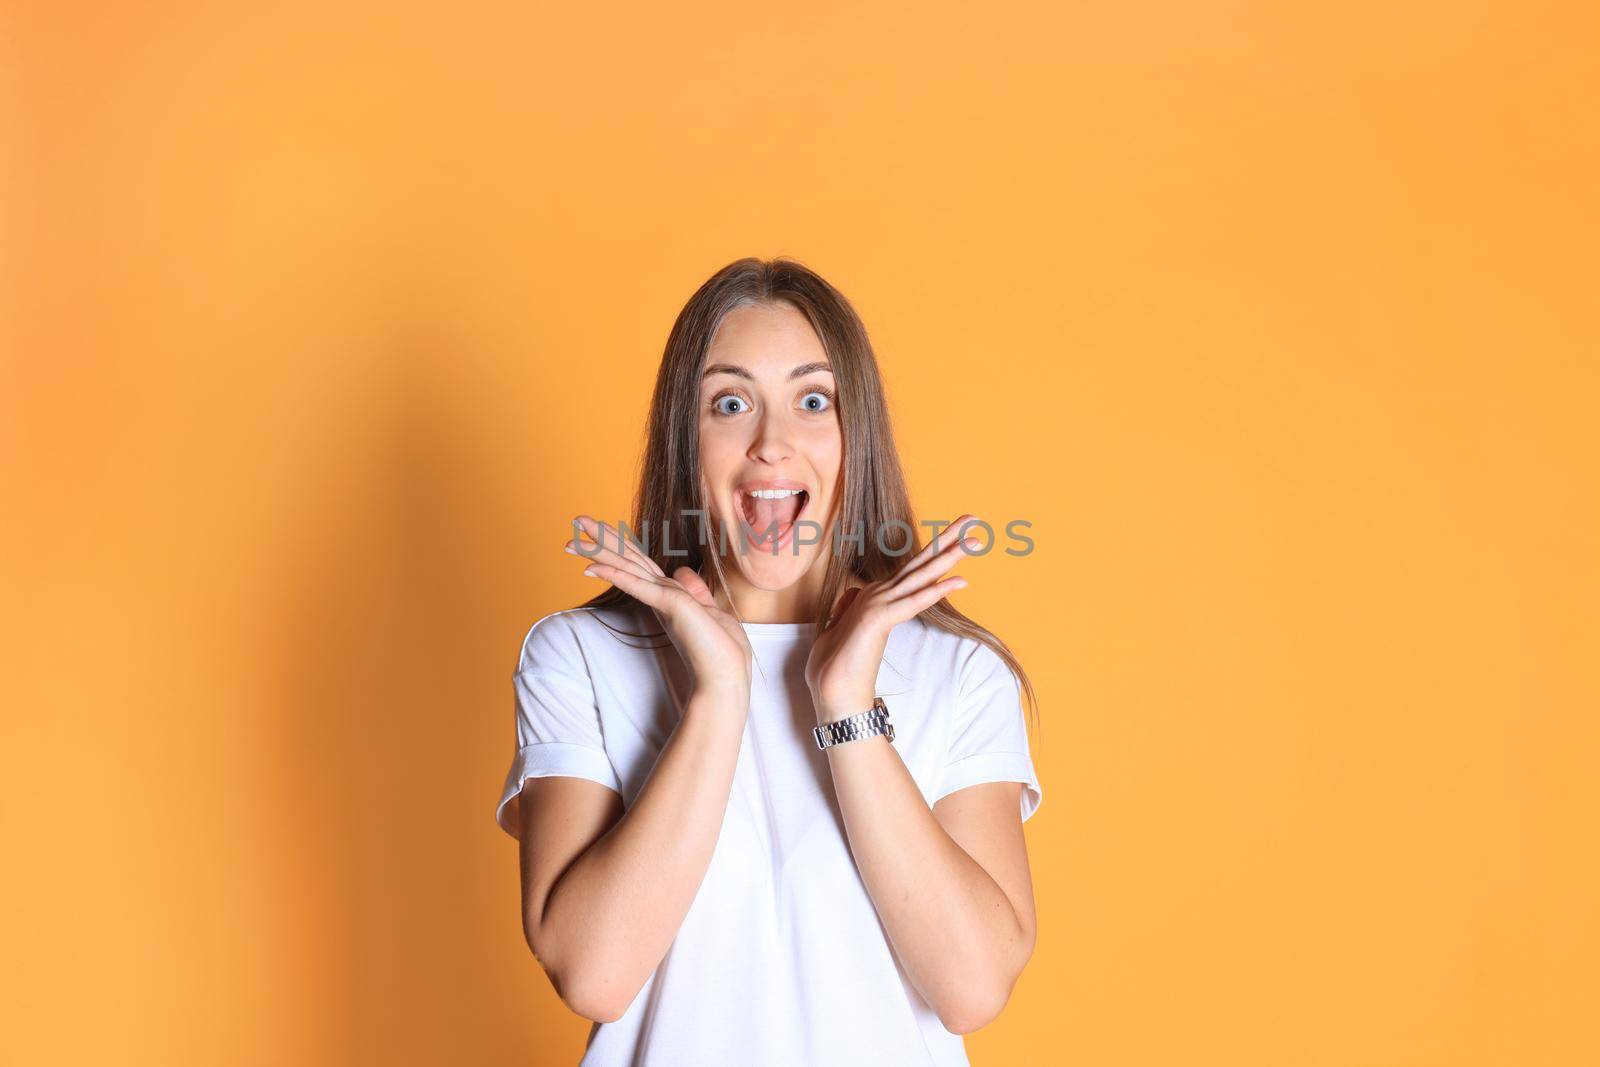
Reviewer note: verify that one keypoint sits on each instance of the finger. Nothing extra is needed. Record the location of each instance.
(646, 591)
(605, 535)
(938, 543)
(601, 554)
(935, 566)
(610, 546)
(915, 604)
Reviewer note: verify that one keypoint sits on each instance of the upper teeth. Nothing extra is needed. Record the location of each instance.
(774, 494)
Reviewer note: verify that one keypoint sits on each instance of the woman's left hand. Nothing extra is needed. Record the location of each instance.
(842, 670)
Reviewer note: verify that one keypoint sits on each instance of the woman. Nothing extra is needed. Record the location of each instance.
(711, 870)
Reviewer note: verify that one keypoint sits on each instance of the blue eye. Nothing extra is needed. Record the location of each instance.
(721, 408)
(822, 395)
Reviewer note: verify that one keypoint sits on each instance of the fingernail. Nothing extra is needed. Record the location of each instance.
(972, 544)
(961, 583)
(589, 571)
(568, 548)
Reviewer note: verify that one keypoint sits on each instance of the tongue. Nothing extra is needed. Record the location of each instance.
(782, 511)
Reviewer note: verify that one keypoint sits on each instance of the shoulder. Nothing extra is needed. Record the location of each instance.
(570, 636)
(980, 663)
(958, 658)
(926, 638)
(549, 640)
(966, 662)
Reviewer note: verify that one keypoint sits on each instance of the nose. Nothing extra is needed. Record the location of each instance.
(771, 443)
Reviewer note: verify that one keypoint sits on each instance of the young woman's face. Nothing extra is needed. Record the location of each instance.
(769, 424)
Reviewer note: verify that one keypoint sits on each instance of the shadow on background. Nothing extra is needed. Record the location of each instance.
(397, 635)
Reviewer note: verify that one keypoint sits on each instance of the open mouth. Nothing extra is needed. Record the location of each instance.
(771, 514)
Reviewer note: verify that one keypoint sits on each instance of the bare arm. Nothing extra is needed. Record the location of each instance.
(951, 884)
(604, 892)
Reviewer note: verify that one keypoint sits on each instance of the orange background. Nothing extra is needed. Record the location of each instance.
(319, 321)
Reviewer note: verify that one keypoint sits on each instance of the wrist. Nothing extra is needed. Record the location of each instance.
(874, 722)
(723, 693)
(836, 708)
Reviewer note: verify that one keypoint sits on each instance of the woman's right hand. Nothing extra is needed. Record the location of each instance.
(711, 641)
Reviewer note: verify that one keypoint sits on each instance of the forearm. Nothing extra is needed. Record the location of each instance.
(952, 926)
(613, 914)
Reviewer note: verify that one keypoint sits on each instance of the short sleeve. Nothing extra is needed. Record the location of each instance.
(989, 738)
(558, 723)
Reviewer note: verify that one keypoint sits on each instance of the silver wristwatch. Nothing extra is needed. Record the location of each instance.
(869, 723)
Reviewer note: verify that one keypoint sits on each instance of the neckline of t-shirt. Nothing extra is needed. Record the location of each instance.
(777, 629)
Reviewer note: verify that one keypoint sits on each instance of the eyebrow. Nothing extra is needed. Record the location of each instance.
(739, 372)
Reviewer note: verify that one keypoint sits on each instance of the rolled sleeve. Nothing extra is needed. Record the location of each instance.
(558, 723)
(989, 738)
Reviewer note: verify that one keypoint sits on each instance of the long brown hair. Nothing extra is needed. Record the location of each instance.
(873, 491)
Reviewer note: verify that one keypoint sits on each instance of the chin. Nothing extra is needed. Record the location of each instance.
(769, 569)
(773, 573)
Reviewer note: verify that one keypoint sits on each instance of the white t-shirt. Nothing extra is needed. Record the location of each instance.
(781, 960)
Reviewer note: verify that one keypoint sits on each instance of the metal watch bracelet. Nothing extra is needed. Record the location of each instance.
(869, 723)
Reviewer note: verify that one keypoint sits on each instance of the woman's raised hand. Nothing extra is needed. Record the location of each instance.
(711, 641)
(842, 670)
